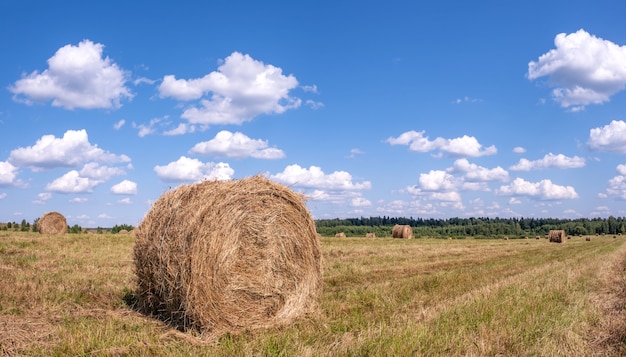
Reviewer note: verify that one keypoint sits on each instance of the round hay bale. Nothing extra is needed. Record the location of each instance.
(123, 231)
(228, 256)
(402, 231)
(370, 235)
(557, 236)
(52, 223)
(340, 235)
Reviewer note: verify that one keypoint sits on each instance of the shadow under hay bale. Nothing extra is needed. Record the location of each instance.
(228, 256)
(557, 236)
(52, 223)
(402, 231)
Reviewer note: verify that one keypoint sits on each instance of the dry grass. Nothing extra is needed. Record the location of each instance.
(70, 295)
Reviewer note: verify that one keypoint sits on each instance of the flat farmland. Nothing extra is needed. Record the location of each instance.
(73, 295)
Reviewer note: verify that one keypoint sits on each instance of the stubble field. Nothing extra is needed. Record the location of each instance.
(73, 295)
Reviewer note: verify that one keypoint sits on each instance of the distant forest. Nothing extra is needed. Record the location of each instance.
(483, 227)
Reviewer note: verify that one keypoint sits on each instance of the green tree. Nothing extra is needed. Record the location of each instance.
(74, 229)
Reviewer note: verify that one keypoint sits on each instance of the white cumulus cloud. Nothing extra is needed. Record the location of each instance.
(476, 173)
(611, 137)
(550, 160)
(238, 146)
(542, 190)
(465, 146)
(360, 202)
(583, 69)
(8, 173)
(617, 187)
(71, 150)
(314, 177)
(96, 171)
(77, 77)
(72, 182)
(193, 170)
(241, 89)
(125, 187)
(437, 180)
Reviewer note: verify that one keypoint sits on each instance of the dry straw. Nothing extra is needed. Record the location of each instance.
(402, 231)
(52, 223)
(557, 236)
(228, 256)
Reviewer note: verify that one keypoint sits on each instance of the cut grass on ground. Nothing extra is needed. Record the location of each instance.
(70, 295)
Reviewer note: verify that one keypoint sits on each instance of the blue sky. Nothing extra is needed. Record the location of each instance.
(370, 108)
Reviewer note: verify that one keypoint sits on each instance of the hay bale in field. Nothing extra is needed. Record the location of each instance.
(537, 237)
(557, 236)
(588, 239)
(123, 231)
(370, 235)
(228, 256)
(402, 231)
(52, 223)
(506, 238)
(340, 235)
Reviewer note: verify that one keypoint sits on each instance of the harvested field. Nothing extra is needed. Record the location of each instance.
(73, 295)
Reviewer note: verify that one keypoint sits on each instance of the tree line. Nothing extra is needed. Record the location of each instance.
(480, 227)
(28, 227)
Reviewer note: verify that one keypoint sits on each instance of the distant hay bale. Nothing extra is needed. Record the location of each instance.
(228, 256)
(506, 238)
(402, 231)
(588, 239)
(340, 235)
(537, 237)
(52, 223)
(123, 231)
(557, 236)
(370, 235)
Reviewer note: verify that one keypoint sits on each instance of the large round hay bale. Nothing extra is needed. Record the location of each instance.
(52, 223)
(402, 231)
(557, 236)
(227, 256)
